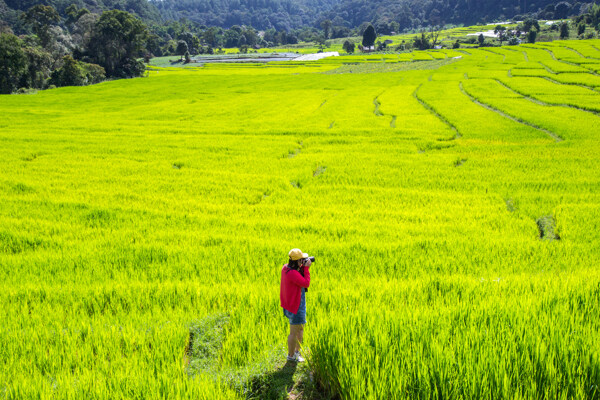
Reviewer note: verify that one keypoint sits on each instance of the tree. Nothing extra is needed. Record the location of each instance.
(326, 25)
(154, 45)
(500, 31)
(434, 34)
(481, 39)
(243, 44)
(182, 48)
(561, 10)
(117, 41)
(211, 36)
(231, 37)
(188, 37)
(530, 23)
(74, 13)
(435, 17)
(242, 41)
(564, 30)
(292, 39)
(581, 28)
(13, 62)
(60, 43)
(422, 42)
(70, 74)
(369, 37)
(83, 29)
(348, 46)
(195, 45)
(593, 16)
(41, 17)
(363, 27)
(320, 42)
(93, 73)
(513, 40)
(39, 67)
(532, 35)
(252, 37)
(76, 73)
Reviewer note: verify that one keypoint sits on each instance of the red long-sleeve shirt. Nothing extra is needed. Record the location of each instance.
(290, 291)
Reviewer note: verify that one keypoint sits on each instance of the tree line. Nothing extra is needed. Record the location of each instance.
(387, 16)
(78, 49)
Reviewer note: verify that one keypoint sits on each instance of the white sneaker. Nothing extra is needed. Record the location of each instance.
(296, 357)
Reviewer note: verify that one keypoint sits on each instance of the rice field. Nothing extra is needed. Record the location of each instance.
(450, 198)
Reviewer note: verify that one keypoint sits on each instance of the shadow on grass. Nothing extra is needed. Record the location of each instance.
(276, 384)
(268, 379)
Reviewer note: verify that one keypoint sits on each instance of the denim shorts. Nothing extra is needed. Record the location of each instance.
(300, 317)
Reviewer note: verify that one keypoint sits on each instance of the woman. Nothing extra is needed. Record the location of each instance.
(295, 278)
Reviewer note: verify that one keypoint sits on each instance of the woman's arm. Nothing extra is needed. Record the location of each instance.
(299, 280)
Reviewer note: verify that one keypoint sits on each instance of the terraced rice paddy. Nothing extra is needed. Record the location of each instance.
(452, 205)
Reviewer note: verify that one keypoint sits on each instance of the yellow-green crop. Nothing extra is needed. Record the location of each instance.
(451, 203)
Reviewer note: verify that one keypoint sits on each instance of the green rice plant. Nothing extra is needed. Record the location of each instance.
(560, 67)
(578, 79)
(470, 119)
(561, 122)
(529, 72)
(555, 93)
(144, 224)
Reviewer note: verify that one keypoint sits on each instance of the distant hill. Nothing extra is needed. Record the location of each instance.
(261, 14)
(386, 15)
(142, 8)
(415, 13)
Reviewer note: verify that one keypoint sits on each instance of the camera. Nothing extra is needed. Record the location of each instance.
(312, 260)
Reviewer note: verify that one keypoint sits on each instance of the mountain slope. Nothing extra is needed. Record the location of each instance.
(261, 14)
(142, 8)
(386, 15)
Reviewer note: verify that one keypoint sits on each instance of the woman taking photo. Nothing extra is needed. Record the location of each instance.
(295, 278)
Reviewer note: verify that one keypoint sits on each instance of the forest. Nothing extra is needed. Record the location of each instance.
(286, 15)
(386, 15)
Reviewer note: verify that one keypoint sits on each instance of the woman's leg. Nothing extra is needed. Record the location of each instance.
(293, 338)
(300, 336)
